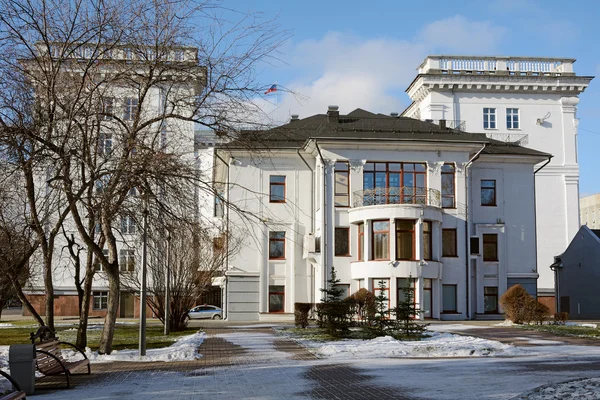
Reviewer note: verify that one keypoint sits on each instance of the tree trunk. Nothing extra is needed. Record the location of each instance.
(27, 304)
(110, 320)
(84, 310)
(49, 286)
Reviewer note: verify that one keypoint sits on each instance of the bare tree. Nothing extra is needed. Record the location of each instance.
(112, 93)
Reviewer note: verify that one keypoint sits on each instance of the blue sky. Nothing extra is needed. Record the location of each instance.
(364, 54)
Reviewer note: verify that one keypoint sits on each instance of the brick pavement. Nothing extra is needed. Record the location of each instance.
(227, 371)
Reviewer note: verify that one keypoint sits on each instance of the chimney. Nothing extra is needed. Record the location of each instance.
(333, 114)
(295, 117)
(442, 123)
(394, 114)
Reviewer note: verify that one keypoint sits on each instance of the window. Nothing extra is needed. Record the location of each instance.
(405, 239)
(342, 184)
(402, 284)
(489, 118)
(449, 298)
(474, 245)
(427, 245)
(448, 186)
(449, 243)
(131, 106)
(276, 298)
(277, 189)
(100, 300)
(490, 247)
(276, 245)
(490, 299)
(105, 143)
(128, 225)
(380, 233)
(488, 192)
(361, 242)
(219, 205)
(127, 260)
(394, 183)
(512, 118)
(345, 289)
(342, 241)
(108, 109)
(376, 288)
(427, 298)
(98, 267)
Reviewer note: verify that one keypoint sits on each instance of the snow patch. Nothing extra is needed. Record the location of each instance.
(454, 327)
(594, 326)
(506, 322)
(584, 389)
(6, 325)
(438, 345)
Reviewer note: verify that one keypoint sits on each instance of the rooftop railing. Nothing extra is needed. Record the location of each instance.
(497, 65)
(397, 195)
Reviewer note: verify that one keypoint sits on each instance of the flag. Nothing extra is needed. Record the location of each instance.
(272, 89)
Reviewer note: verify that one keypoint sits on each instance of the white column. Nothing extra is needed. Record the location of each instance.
(329, 213)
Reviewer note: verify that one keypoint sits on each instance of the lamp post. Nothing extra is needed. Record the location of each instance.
(142, 337)
(167, 284)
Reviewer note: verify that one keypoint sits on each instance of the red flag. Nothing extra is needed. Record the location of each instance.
(272, 89)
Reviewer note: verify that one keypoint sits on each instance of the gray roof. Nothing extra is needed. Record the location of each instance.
(364, 125)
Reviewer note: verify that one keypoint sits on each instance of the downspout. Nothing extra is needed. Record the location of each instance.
(468, 228)
(227, 230)
(535, 235)
(324, 233)
(312, 224)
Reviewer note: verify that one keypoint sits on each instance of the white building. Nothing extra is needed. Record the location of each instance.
(525, 100)
(378, 198)
(590, 211)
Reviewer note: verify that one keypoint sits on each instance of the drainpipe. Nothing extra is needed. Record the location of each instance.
(324, 233)
(468, 228)
(226, 229)
(312, 224)
(535, 234)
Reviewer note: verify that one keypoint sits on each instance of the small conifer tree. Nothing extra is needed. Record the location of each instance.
(381, 319)
(333, 312)
(406, 311)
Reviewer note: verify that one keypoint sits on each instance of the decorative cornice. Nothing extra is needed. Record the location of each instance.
(460, 167)
(357, 165)
(435, 167)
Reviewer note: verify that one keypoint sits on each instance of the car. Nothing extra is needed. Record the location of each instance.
(205, 312)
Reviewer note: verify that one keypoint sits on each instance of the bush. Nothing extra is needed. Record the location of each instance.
(363, 305)
(561, 318)
(519, 306)
(301, 311)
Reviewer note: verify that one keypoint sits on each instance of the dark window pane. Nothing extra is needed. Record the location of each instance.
(277, 193)
(381, 225)
(276, 235)
(341, 166)
(277, 179)
(449, 243)
(341, 242)
(276, 249)
(448, 168)
(404, 246)
(490, 247)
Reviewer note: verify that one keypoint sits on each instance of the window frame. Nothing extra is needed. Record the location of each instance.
(428, 242)
(272, 292)
(131, 108)
(102, 297)
(494, 295)
(448, 311)
(276, 239)
(455, 252)
(127, 260)
(494, 242)
(273, 185)
(361, 241)
(373, 232)
(347, 235)
(493, 189)
(108, 108)
(488, 112)
(341, 172)
(453, 195)
(513, 123)
(413, 238)
(375, 287)
(398, 168)
(128, 225)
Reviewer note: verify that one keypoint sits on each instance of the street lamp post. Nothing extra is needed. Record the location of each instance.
(142, 344)
(167, 284)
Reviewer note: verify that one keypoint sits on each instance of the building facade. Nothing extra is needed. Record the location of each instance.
(590, 211)
(378, 198)
(531, 101)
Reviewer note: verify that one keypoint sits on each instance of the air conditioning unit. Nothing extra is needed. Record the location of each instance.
(309, 243)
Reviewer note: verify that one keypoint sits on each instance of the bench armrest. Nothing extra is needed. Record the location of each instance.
(58, 360)
(75, 347)
(11, 380)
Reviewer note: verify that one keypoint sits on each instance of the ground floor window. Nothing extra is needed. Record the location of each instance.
(490, 299)
(345, 289)
(402, 283)
(377, 288)
(100, 300)
(276, 298)
(449, 298)
(427, 298)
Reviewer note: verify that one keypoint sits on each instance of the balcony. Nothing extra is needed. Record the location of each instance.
(397, 195)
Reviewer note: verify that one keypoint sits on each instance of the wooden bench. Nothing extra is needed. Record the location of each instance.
(49, 359)
(16, 393)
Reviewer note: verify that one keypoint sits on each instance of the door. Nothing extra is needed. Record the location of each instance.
(127, 305)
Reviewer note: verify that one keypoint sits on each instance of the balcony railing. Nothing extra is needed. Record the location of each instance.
(397, 195)
(536, 66)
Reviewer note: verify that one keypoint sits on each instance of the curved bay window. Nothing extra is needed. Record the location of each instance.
(361, 242)
(427, 241)
(394, 183)
(380, 234)
(405, 239)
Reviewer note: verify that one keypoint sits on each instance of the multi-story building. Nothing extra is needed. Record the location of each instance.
(378, 198)
(531, 101)
(590, 211)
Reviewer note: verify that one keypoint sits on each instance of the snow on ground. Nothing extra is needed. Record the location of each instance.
(454, 327)
(438, 345)
(260, 344)
(6, 325)
(583, 389)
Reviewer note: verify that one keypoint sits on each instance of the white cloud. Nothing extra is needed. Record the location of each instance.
(353, 72)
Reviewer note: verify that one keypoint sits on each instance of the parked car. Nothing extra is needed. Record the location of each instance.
(205, 312)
